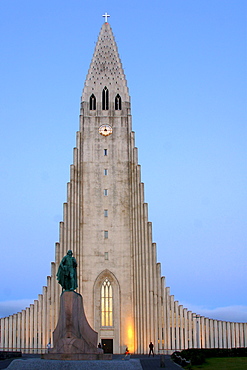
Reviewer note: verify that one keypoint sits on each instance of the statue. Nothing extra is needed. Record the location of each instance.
(66, 274)
(73, 337)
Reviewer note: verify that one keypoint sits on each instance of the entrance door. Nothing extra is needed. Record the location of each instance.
(107, 345)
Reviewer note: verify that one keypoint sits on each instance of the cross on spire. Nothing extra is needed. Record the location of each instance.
(106, 16)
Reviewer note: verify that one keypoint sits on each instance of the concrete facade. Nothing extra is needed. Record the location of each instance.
(106, 225)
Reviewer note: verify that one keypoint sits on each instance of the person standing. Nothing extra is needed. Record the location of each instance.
(151, 349)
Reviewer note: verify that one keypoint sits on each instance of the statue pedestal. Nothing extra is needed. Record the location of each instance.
(73, 338)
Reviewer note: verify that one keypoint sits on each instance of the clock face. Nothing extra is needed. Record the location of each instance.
(105, 130)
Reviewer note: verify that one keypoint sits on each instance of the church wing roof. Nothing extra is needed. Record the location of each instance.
(106, 68)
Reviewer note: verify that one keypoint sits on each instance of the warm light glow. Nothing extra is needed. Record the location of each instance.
(130, 333)
(130, 336)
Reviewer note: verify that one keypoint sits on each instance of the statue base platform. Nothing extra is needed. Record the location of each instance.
(73, 338)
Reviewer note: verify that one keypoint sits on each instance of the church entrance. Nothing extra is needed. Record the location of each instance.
(107, 345)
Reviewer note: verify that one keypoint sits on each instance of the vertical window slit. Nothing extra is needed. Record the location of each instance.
(118, 102)
(92, 102)
(105, 99)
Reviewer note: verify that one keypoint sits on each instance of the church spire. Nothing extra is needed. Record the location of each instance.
(105, 71)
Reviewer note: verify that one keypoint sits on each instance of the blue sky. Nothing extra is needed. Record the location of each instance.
(185, 64)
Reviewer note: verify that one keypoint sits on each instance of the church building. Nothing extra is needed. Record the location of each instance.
(105, 224)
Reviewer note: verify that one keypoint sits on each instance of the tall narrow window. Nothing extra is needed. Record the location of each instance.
(105, 192)
(118, 102)
(105, 151)
(106, 234)
(105, 172)
(92, 102)
(106, 212)
(105, 99)
(106, 304)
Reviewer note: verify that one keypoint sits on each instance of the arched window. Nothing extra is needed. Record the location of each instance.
(106, 304)
(105, 99)
(118, 102)
(92, 102)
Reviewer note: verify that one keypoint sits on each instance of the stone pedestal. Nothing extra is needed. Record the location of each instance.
(73, 338)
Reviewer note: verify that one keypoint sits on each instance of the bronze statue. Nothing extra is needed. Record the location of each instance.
(66, 275)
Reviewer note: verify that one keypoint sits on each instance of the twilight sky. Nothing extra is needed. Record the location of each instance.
(186, 68)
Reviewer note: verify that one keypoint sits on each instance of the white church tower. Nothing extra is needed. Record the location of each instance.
(106, 225)
(102, 198)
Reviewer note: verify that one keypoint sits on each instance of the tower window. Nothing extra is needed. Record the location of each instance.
(92, 102)
(106, 304)
(106, 212)
(106, 234)
(105, 192)
(106, 256)
(105, 172)
(105, 99)
(118, 102)
(105, 151)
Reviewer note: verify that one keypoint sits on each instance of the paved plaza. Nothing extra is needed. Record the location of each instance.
(136, 362)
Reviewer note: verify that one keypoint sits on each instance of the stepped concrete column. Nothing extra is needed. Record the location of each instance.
(237, 335)
(27, 329)
(44, 318)
(48, 311)
(144, 247)
(57, 287)
(207, 334)
(241, 335)
(224, 335)
(220, 334)
(23, 336)
(198, 332)
(156, 301)
(216, 334)
(52, 307)
(190, 329)
(233, 333)
(172, 323)
(168, 319)
(229, 341)
(245, 334)
(2, 331)
(211, 330)
(181, 314)
(176, 321)
(194, 328)
(31, 328)
(40, 323)
(11, 333)
(18, 331)
(160, 318)
(35, 327)
(152, 279)
(202, 332)
(163, 308)
(6, 334)
(139, 272)
(186, 328)
(14, 331)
